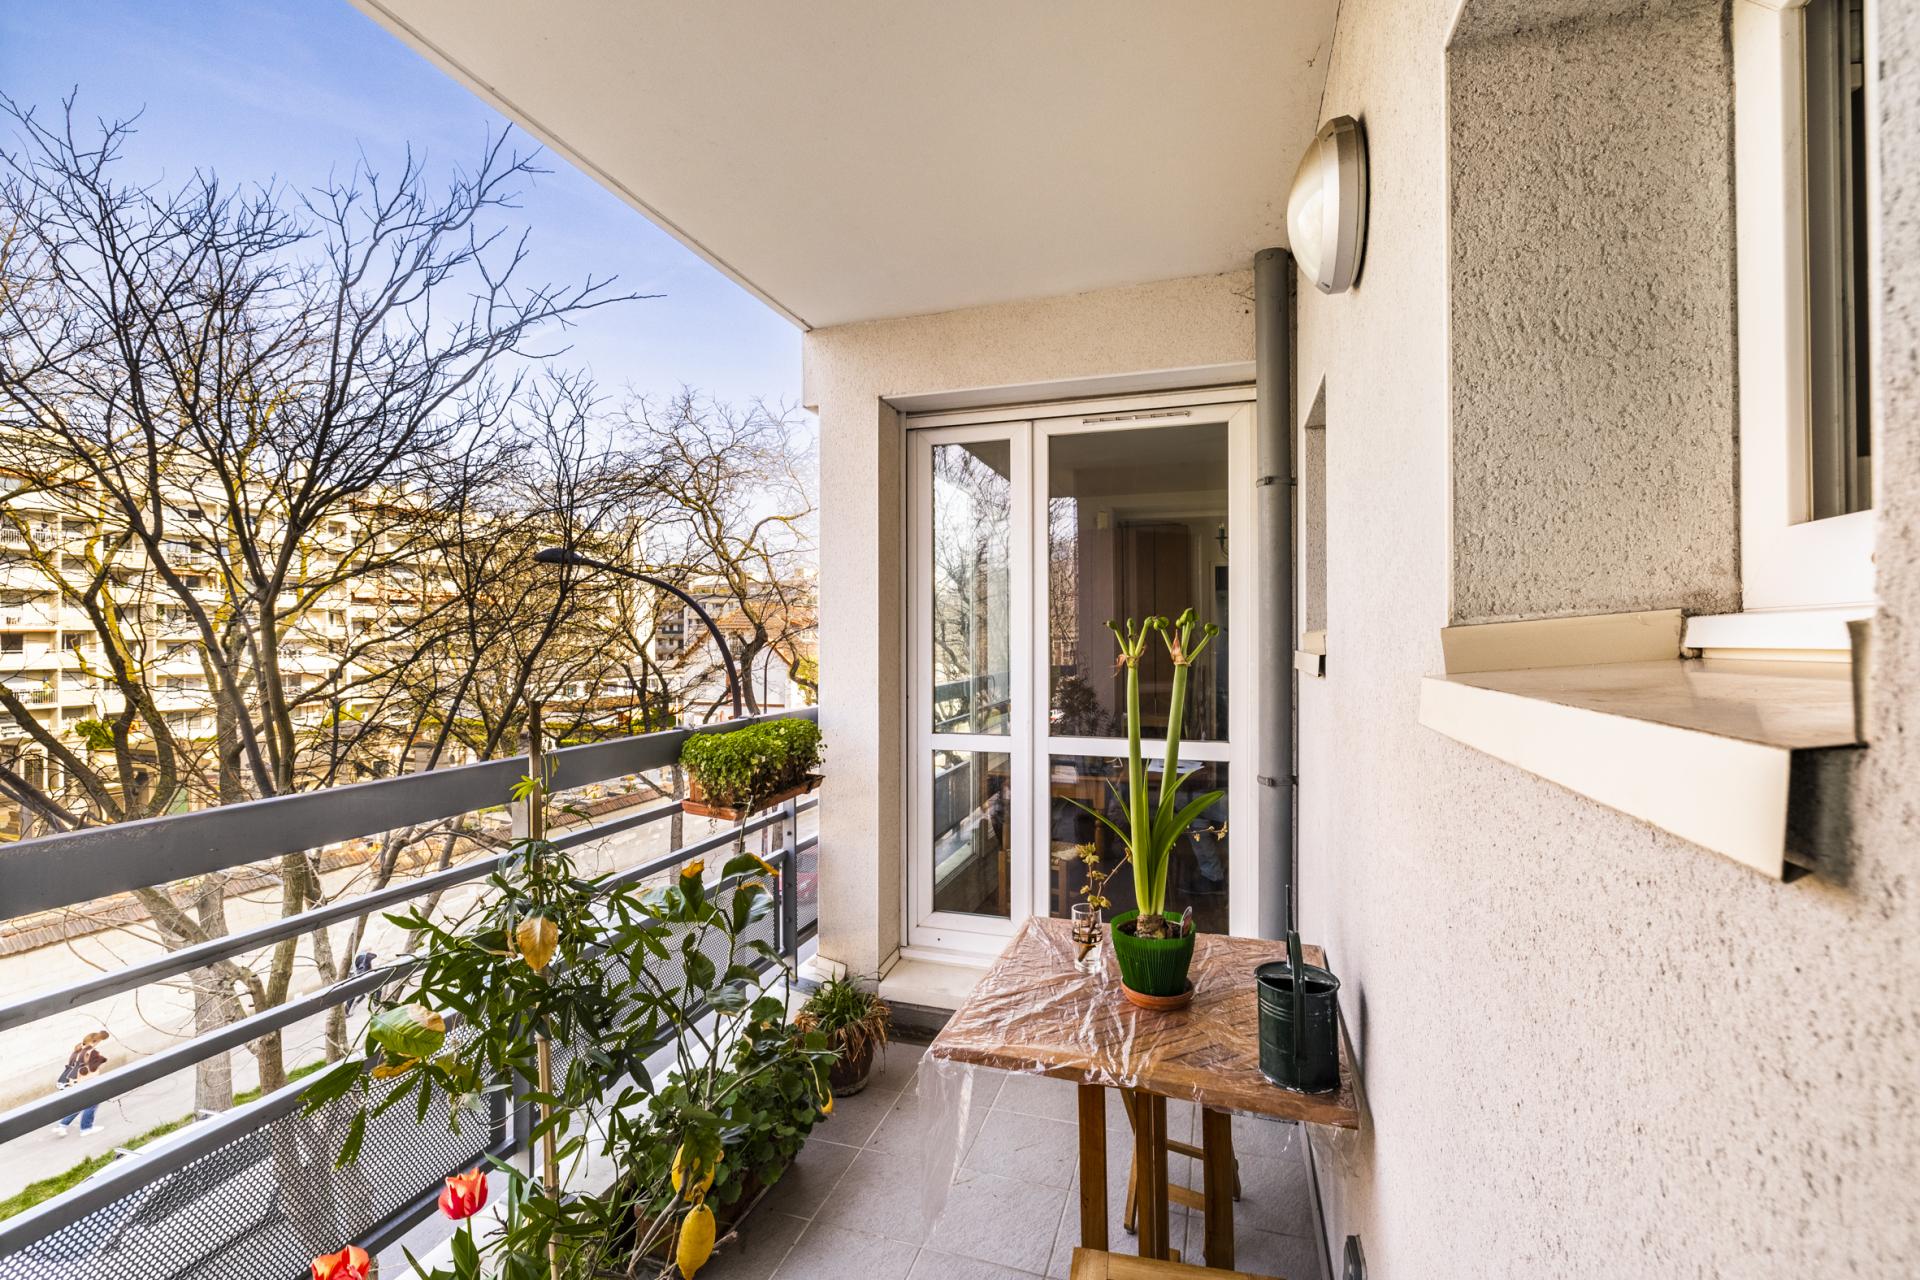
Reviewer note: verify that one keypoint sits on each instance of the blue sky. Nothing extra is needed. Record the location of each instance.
(294, 88)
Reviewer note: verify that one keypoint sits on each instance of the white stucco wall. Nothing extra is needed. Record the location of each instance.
(851, 372)
(1588, 1048)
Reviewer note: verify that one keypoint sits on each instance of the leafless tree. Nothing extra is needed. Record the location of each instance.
(732, 522)
(236, 404)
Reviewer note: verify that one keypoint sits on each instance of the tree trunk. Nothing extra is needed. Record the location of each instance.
(214, 1003)
(332, 970)
(298, 886)
(678, 823)
(270, 1052)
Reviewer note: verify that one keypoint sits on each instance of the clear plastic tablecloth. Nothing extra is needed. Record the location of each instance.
(1044, 1008)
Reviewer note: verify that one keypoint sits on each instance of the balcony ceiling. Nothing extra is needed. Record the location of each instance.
(853, 159)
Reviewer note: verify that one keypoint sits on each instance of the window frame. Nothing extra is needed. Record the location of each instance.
(1788, 560)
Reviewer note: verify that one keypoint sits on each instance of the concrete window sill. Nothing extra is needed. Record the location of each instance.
(1703, 748)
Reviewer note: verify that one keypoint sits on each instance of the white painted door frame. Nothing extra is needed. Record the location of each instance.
(925, 927)
(943, 936)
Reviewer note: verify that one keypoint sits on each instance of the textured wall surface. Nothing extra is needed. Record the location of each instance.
(1592, 317)
(1589, 1049)
(849, 372)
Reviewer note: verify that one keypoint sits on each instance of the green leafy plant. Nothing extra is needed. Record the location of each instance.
(94, 732)
(548, 957)
(854, 1021)
(766, 1111)
(1155, 825)
(743, 766)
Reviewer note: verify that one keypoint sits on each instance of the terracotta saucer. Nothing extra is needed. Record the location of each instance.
(1158, 1004)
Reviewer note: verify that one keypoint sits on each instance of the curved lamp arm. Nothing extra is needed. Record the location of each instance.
(563, 555)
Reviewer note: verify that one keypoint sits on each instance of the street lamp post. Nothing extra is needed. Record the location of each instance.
(565, 555)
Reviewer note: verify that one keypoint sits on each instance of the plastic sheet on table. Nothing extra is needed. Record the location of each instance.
(949, 1096)
(1049, 1007)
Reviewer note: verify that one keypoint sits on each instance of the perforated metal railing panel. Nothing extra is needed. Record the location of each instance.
(267, 1202)
(807, 876)
(263, 1204)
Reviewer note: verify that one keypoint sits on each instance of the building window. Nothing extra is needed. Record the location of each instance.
(1804, 229)
(1840, 456)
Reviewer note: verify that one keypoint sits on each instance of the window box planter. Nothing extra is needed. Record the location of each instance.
(700, 806)
(735, 774)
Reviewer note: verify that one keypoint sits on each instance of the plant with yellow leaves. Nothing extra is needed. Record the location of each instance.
(611, 973)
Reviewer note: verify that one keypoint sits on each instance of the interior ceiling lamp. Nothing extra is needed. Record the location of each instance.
(1327, 207)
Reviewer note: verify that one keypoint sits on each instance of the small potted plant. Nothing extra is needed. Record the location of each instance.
(1154, 948)
(854, 1021)
(735, 774)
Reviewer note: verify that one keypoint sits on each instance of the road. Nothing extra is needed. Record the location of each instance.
(158, 1017)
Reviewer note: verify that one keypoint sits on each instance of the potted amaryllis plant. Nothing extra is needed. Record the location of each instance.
(549, 958)
(1152, 947)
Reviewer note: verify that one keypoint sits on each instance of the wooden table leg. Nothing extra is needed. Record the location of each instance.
(1150, 1152)
(1217, 1167)
(1093, 1166)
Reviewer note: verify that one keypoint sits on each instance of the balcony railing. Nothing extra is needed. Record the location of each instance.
(254, 1191)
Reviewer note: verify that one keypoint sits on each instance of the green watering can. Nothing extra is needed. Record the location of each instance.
(1299, 1022)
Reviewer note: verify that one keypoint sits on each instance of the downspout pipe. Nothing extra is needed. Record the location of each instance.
(1273, 508)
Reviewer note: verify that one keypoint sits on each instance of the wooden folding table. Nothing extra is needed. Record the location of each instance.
(1040, 1010)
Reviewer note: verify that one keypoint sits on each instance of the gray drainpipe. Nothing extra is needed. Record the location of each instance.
(1273, 503)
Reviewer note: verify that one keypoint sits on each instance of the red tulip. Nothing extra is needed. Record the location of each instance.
(464, 1195)
(351, 1263)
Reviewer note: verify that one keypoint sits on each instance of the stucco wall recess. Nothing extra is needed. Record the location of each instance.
(1592, 319)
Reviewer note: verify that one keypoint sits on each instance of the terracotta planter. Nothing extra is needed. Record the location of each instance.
(1153, 971)
(850, 1072)
(699, 806)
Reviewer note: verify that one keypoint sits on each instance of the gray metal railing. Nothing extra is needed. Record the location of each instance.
(56, 1238)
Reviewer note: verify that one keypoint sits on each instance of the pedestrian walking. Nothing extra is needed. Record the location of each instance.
(362, 963)
(85, 1060)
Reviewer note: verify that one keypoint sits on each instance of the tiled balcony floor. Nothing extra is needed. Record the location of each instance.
(851, 1206)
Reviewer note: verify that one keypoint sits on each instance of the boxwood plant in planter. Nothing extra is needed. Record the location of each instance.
(854, 1021)
(1151, 947)
(736, 773)
(549, 958)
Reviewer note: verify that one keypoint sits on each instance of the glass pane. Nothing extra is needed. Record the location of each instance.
(972, 575)
(1136, 525)
(1198, 877)
(972, 849)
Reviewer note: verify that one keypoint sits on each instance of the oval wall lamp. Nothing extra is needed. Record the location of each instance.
(1327, 207)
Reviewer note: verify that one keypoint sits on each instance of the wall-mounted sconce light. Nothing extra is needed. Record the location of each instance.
(1327, 207)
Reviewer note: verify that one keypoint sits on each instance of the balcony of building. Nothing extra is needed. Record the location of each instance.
(1524, 390)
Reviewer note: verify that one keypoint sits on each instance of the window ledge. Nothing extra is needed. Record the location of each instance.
(1310, 659)
(1702, 748)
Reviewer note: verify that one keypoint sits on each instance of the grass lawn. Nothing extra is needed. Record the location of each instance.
(47, 1188)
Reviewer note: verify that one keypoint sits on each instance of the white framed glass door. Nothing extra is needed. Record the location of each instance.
(1027, 537)
(1141, 517)
(971, 738)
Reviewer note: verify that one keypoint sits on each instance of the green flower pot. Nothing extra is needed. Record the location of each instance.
(1154, 967)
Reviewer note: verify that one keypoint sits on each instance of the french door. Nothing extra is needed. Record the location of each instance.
(1026, 537)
